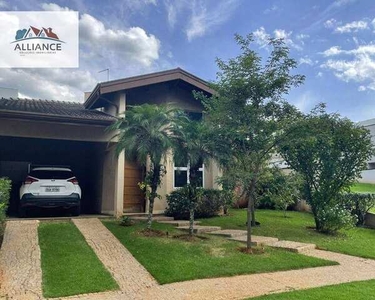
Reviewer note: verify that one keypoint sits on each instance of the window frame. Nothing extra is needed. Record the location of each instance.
(187, 169)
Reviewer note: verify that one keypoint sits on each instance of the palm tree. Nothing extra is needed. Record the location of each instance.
(192, 150)
(144, 132)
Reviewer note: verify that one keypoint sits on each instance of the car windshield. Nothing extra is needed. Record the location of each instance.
(51, 174)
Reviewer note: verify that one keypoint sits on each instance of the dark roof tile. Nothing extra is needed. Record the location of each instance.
(52, 108)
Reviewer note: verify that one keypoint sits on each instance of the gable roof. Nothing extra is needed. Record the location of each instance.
(147, 79)
(51, 110)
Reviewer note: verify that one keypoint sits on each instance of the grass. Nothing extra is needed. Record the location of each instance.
(360, 187)
(361, 290)
(356, 241)
(69, 265)
(171, 260)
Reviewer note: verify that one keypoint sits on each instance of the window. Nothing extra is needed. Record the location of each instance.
(181, 176)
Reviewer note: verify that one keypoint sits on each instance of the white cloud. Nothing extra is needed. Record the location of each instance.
(359, 67)
(334, 50)
(57, 84)
(339, 3)
(330, 23)
(361, 88)
(261, 37)
(3, 4)
(54, 7)
(354, 26)
(204, 18)
(273, 8)
(306, 101)
(133, 44)
(319, 74)
(306, 60)
(302, 36)
(171, 13)
(362, 49)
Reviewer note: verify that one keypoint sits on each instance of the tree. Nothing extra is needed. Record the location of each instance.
(191, 149)
(248, 114)
(144, 132)
(329, 152)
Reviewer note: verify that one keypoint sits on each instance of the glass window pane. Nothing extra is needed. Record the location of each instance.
(200, 182)
(180, 178)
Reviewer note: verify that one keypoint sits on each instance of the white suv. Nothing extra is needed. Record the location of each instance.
(50, 187)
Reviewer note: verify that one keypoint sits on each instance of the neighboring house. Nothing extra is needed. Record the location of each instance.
(74, 134)
(368, 176)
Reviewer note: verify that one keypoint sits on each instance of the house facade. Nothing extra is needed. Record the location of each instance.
(67, 133)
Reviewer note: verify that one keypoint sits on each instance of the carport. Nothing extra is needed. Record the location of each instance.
(59, 133)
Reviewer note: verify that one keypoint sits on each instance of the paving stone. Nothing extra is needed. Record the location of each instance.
(21, 277)
(256, 240)
(201, 229)
(178, 223)
(229, 232)
(294, 246)
(154, 218)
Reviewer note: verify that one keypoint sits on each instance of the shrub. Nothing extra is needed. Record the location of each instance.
(279, 190)
(126, 221)
(5, 186)
(359, 205)
(209, 204)
(332, 219)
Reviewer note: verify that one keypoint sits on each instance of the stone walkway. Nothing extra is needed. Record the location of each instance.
(21, 276)
(20, 261)
(130, 275)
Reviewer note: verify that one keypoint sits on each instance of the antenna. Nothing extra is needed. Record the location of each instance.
(107, 73)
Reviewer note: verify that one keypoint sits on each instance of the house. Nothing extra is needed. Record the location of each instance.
(74, 134)
(368, 176)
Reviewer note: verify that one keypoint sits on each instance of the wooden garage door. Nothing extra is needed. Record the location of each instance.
(134, 200)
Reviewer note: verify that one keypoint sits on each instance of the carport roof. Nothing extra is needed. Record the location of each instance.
(62, 111)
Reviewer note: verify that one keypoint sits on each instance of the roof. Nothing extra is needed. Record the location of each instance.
(147, 79)
(48, 110)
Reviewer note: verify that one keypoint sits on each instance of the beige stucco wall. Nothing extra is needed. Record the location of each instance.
(211, 173)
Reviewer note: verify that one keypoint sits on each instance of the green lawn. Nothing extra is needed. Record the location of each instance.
(171, 260)
(363, 188)
(356, 241)
(69, 265)
(361, 290)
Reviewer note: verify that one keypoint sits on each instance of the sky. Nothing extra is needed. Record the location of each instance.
(332, 41)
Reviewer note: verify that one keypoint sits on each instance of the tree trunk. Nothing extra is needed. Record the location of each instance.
(193, 174)
(191, 221)
(150, 211)
(249, 205)
(253, 221)
(154, 186)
